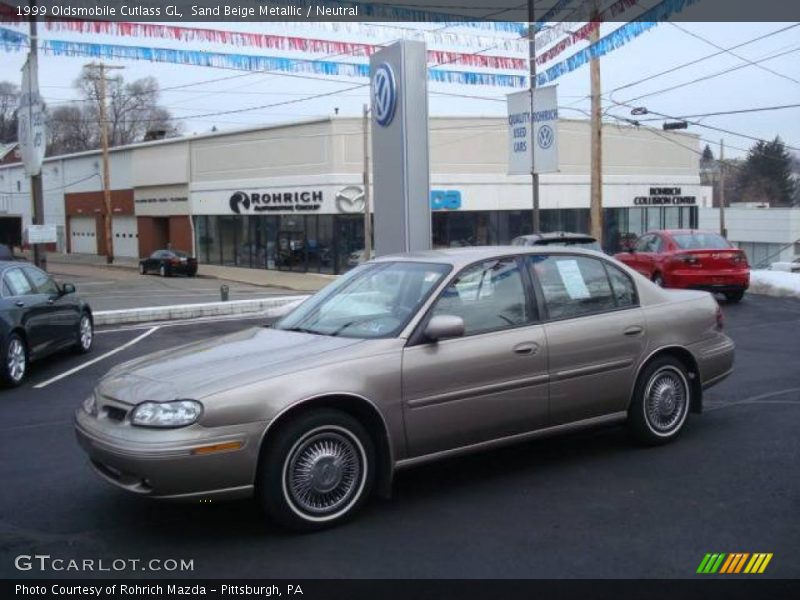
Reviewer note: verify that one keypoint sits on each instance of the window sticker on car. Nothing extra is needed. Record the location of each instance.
(573, 279)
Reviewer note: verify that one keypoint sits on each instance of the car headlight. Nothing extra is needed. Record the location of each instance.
(90, 405)
(177, 413)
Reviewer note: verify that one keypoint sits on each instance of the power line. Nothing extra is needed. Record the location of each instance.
(733, 112)
(739, 56)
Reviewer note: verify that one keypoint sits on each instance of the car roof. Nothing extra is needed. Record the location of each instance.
(459, 257)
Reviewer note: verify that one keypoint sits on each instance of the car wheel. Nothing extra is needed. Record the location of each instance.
(15, 361)
(734, 297)
(85, 334)
(661, 402)
(317, 471)
(142, 270)
(162, 270)
(658, 280)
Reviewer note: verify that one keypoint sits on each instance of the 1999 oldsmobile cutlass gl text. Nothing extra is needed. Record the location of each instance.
(206, 10)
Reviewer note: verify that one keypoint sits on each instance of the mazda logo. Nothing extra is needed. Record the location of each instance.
(384, 95)
(545, 137)
(350, 199)
(238, 201)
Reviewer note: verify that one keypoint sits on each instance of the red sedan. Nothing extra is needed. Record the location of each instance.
(684, 258)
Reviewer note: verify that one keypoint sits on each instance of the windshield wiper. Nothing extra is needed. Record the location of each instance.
(303, 330)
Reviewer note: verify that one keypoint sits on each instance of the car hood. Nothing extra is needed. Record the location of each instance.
(203, 368)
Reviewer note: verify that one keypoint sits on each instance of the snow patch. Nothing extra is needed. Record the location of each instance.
(775, 283)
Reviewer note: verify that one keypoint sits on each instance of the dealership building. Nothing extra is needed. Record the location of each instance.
(290, 196)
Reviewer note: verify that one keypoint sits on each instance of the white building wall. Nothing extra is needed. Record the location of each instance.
(766, 234)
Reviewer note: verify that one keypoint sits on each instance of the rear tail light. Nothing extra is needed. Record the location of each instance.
(740, 258)
(175, 261)
(720, 319)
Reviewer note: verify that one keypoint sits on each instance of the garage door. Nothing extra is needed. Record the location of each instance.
(126, 237)
(83, 235)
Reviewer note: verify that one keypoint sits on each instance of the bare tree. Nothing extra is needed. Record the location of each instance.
(133, 110)
(9, 99)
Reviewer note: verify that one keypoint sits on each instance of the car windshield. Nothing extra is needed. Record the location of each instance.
(371, 301)
(698, 240)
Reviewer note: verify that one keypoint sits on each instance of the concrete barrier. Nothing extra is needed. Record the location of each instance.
(270, 307)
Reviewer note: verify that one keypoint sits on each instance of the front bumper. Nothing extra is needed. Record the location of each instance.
(166, 463)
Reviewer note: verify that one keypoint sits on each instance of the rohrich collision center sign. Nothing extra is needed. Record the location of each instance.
(544, 125)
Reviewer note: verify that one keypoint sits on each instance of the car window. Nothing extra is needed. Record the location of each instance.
(643, 243)
(42, 283)
(6, 289)
(698, 240)
(158, 254)
(17, 282)
(656, 244)
(488, 296)
(572, 285)
(622, 286)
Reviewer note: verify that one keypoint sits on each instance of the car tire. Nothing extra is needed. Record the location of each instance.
(658, 279)
(734, 297)
(337, 483)
(661, 402)
(85, 334)
(162, 270)
(142, 270)
(15, 361)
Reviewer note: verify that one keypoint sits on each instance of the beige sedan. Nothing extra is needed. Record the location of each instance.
(406, 359)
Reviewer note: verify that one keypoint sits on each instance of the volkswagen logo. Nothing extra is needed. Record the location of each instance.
(350, 199)
(384, 95)
(238, 201)
(545, 137)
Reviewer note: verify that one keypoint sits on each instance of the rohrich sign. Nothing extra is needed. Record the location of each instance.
(664, 196)
(257, 202)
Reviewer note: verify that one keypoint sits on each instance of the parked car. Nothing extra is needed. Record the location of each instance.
(558, 238)
(168, 263)
(7, 253)
(693, 259)
(37, 318)
(404, 360)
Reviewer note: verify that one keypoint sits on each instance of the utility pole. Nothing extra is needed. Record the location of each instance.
(367, 212)
(722, 230)
(101, 101)
(532, 76)
(596, 187)
(37, 193)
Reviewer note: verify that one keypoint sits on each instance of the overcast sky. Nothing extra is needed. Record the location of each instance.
(664, 47)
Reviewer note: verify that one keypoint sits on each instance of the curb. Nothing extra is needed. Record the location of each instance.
(270, 306)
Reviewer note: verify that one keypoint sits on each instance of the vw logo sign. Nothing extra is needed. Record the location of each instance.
(350, 199)
(545, 137)
(239, 201)
(384, 95)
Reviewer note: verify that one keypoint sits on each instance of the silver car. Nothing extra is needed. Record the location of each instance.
(403, 360)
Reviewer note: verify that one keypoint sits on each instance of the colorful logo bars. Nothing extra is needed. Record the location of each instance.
(734, 563)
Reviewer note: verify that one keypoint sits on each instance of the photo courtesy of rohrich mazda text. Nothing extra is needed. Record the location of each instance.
(399, 299)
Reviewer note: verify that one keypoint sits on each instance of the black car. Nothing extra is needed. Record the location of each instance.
(38, 317)
(558, 238)
(169, 262)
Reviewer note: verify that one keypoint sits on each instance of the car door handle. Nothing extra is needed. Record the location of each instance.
(19, 303)
(526, 348)
(635, 330)
(50, 301)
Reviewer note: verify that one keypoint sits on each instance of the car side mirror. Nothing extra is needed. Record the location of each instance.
(67, 288)
(444, 326)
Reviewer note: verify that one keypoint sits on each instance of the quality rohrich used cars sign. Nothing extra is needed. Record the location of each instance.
(545, 131)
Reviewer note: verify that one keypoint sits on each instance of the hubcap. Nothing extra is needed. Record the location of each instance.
(666, 400)
(324, 472)
(16, 360)
(86, 332)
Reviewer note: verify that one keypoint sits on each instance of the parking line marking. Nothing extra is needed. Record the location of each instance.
(94, 360)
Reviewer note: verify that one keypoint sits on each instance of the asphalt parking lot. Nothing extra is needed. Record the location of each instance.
(586, 505)
(118, 288)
